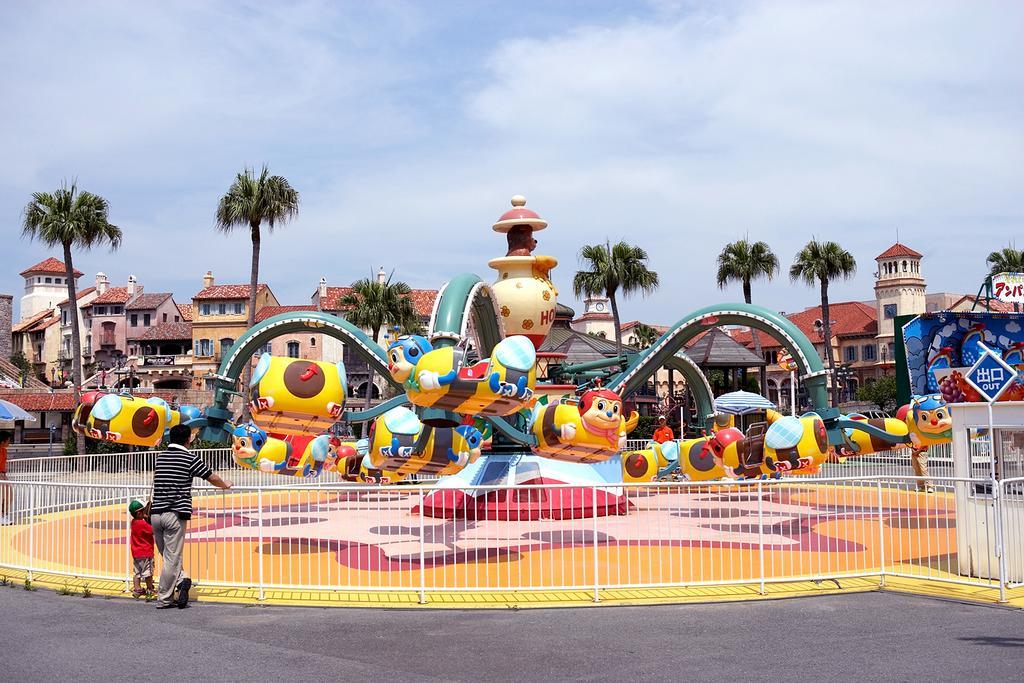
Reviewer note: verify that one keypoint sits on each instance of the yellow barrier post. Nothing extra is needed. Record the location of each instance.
(31, 527)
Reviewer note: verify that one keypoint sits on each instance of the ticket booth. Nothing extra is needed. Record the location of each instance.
(978, 456)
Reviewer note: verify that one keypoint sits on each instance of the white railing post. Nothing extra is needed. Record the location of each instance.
(760, 531)
(997, 493)
(31, 527)
(423, 551)
(597, 581)
(130, 568)
(881, 536)
(259, 546)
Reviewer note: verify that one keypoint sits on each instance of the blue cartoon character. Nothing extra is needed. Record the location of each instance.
(403, 355)
(466, 445)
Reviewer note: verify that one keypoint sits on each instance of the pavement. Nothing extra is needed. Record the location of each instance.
(867, 636)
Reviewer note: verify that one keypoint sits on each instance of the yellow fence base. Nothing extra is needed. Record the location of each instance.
(533, 599)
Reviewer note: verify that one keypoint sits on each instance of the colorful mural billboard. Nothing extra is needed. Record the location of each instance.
(941, 347)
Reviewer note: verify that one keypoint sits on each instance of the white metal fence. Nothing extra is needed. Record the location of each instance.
(358, 538)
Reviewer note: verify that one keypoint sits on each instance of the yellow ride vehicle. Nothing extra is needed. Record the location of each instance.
(129, 420)
(395, 446)
(441, 378)
(294, 396)
(592, 431)
(252, 448)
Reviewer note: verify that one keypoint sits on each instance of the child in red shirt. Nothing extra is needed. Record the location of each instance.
(142, 549)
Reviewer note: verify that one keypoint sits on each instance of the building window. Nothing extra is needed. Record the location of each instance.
(225, 346)
(176, 319)
(266, 348)
(239, 308)
(204, 309)
(205, 347)
(868, 352)
(99, 310)
(49, 280)
(165, 318)
(293, 349)
(145, 319)
(222, 309)
(64, 317)
(134, 319)
(850, 354)
(889, 311)
(312, 341)
(117, 310)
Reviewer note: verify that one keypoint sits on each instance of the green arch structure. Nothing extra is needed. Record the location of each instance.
(812, 373)
(225, 381)
(466, 299)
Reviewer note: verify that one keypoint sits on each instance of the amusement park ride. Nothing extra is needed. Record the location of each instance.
(472, 410)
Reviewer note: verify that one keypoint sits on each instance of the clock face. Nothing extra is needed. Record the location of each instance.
(599, 307)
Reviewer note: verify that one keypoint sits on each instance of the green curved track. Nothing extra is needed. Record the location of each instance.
(226, 380)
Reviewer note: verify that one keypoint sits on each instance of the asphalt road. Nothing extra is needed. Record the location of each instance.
(868, 636)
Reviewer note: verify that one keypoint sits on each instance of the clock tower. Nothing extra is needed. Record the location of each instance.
(597, 318)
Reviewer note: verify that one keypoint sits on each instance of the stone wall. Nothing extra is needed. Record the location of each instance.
(6, 319)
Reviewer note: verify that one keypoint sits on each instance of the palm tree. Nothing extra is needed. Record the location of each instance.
(71, 218)
(1006, 260)
(741, 261)
(645, 335)
(375, 304)
(251, 201)
(614, 267)
(820, 263)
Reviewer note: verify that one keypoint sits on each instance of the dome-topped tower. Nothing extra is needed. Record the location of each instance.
(899, 287)
(525, 295)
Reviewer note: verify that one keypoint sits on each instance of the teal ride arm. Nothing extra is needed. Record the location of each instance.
(463, 298)
(862, 426)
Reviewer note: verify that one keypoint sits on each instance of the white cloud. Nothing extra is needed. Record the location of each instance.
(407, 131)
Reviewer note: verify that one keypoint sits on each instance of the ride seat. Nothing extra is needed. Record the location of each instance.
(475, 372)
(753, 454)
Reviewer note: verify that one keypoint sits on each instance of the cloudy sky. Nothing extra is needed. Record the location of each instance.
(406, 127)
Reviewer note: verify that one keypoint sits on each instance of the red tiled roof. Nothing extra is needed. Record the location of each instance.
(898, 250)
(39, 401)
(660, 329)
(168, 332)
(50, 265)
(422, 300)
(995, 305)
(186, 312)
(28, 325)
(849, 319)
(147, 302)
(271, 311)
(228, 292)
(114, 295)
(59, 400)
(79, 294)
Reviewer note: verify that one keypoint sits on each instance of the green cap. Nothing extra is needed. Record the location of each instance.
(135, 506)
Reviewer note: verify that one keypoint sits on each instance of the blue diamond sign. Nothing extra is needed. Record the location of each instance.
(991, 375)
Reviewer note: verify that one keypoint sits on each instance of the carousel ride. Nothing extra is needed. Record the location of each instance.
(471, 409)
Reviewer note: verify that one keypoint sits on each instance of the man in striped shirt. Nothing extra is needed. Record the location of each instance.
(172, 508)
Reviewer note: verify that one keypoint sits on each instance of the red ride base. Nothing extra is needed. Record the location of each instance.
(524, 503)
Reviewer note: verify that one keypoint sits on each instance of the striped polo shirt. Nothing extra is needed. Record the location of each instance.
(172, 480)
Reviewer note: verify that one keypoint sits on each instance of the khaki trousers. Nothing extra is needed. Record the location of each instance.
(169, 534)
(919, 461)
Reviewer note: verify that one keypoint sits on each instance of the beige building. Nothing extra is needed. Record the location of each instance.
(219, 317)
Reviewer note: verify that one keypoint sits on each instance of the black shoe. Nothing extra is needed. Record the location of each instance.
(166, 605)
(185, 606)
(183, 589)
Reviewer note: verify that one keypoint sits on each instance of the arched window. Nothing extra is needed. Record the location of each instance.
(312, 341)
(904, 265)
(293, 349)
(225, 345)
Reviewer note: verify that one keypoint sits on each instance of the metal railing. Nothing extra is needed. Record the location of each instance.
(333, 536)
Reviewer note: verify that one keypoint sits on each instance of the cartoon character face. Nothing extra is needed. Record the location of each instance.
(404, 353)
(722, 442)
(931, 416)
(601, 407)
(247, 440)
(474, 439)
